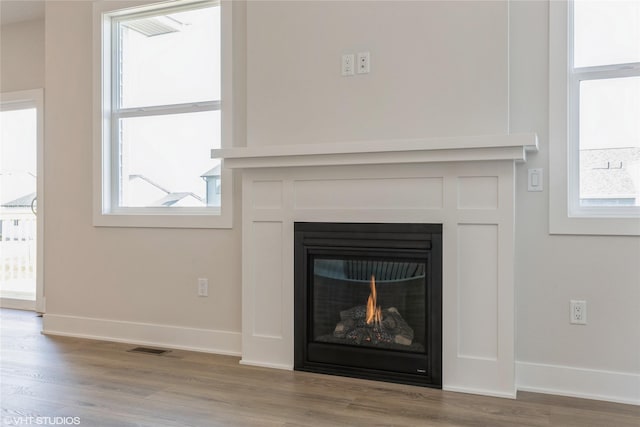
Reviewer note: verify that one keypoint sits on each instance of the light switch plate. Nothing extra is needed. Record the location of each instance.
(534, 181)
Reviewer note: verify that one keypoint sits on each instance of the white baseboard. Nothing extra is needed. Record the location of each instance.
(620, 387)
(164, 336)
(481, 392)
(609, 386)
(18, 304)
(266, 365)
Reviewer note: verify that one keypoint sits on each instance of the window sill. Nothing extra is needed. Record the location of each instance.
(212, 219)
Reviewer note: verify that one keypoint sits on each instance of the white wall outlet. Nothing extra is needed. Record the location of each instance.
(535, 180)
(578, 312)
(348, 64)
(364, 62)
(203, 287)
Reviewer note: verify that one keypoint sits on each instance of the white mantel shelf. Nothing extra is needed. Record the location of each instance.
(453, 149)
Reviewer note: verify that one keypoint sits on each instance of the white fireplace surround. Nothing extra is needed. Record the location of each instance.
(467, 184)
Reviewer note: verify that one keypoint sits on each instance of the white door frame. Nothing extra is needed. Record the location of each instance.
(12, 101)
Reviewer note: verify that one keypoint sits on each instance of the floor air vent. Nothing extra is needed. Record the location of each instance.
(147, 350)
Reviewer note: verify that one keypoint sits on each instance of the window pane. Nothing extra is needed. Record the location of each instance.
(18, 133)
(610, 142)
(606, 32)
(170, 58)
(165, 160)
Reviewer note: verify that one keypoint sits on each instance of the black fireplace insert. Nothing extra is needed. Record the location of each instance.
(368, 301)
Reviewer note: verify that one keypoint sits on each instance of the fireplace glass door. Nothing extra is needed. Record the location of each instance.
(368, 301)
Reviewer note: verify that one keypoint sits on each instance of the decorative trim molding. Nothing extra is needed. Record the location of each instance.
(620, 387)
(428, 150)
(192, 339)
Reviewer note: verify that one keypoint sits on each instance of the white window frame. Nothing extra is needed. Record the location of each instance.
(106, 213)
(566, 216)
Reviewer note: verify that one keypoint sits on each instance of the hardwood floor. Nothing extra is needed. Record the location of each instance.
(104, 385)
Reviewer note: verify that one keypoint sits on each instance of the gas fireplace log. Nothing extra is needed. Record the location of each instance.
(343, 327)
(401, 331)
(393, 329)
(354, 313)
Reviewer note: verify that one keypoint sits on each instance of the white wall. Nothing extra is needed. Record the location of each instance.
(22, 56)
(436, 70)
(144, 276)
(551, 270)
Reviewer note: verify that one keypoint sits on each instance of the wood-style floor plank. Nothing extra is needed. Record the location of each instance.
(106, 386)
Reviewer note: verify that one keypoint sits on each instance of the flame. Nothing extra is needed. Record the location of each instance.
(374, 312)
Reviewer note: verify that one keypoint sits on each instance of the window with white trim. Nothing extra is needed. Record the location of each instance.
(604, 107)
(595, 129)
(161, 98)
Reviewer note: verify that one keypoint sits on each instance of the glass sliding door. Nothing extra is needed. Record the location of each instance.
(20, 181)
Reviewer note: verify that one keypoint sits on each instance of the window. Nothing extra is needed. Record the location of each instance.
(605, 105)
(160, 115)
(594, 130)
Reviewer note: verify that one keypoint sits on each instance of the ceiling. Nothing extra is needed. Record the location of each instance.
(12, 11)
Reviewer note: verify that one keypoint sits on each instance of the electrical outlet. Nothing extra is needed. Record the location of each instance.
(578, 312)
(203, 287)
(364, 63)
(348, 64)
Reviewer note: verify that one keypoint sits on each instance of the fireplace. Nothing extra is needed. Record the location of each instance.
(465, 183)
(368, 301)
